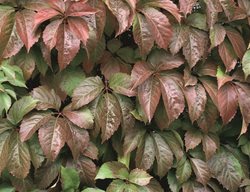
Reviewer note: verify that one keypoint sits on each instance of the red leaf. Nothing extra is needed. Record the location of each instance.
(67, 46)
(227, 55)
(227, 102)
(58, 5)
(79, 28)
(25, 26)
(186, 6)
(237, 41)
(160, 27)
(79, 9)
(121, 11)
(168, 5)
(211, 88)
(217, 35)
(196, 99)
(210, 146)
(149, 94)
(192, 139)
(50, 33)
(172, 96)
(52, 137)
(140, 73)
(142, 34)
(44, 15)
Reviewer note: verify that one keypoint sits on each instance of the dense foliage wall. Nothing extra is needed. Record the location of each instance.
(124, 95)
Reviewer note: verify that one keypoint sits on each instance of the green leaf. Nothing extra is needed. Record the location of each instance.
(183, 171)
(246, 63)
(92, 190)
(4, 149)
(114, 45)
(117, 186)
(246, 148)
(20, 108)
(139, 177)
(6, 188)
(226, 169)
(197, 20)
(5, 101)
(172, 181)
(70, 179)
(127, 54)
(19, 157)
(113, 170)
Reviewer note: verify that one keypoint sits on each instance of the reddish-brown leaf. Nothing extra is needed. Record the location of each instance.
(79, 9)
(186, 6)
(217, 35)
(91, 151)
(160, 27)
(109, 115)
(208, 68)
(25, 26)
(180, 36)
(227, 55)
(196, 46)
(140, 73)
(227, 102)
(52, 137)
(50, 33)
(79, 28)
(192, 139)
(142, 34)
(201, 170)
(168, 5)
(237, 41)
(209, 145)
(31, 123)
(58, 5)
(121, 11)
(196, 98)
(78, 141)
(172, 96)
(149, 94)
(67, 46)
(189, 79)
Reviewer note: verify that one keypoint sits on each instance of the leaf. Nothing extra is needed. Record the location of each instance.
(92, 190)
(140, 73)
(168, 6)
(145, 153)
(4, 149)
(19, 157)
(163, 154)
(113, 170)
(25, 26)
(196, 99)
(87, 91)
(67, 45)
(5, 100)
(154, 185)
(196, 46)
(227, 169)
(121, 11)
(78, 141)
(183, 171)
(173, 97)
(201, 170)
(186, 6)
(31, 123)
(246, 63)
(237, 41)
(198, 21)
(149, 94)
(139, 177)
(87, 170)
(109, 115)
(159, 25)
(133, 138)
(83, 117)
(228, 55)
(52, 137)
(217, 35)
(179, 38)
(47, 98)
(210, 145)
(5, 125)
(20, 108)
(117, 186)
(192, 139)
(46, 174)
(227, 102)
(142, 34)
(69, 178)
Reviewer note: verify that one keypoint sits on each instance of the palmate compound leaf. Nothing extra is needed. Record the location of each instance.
(87, 91)
(109, 115)
(163, 154)
(52, 137)
(20, 108)
(226, 169)
(19, 157)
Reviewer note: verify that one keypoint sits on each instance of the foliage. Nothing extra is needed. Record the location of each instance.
(124, 95)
